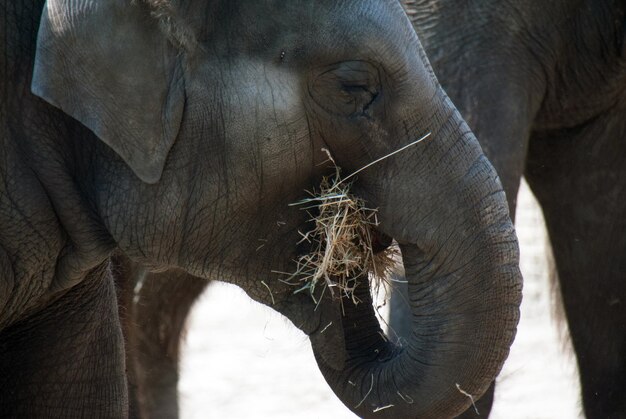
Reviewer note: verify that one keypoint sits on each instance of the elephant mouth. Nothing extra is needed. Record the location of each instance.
(342, 243)
(380, 241)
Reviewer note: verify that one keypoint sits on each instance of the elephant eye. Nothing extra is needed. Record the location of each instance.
(348, 89)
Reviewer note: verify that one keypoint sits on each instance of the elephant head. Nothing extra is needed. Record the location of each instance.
(210, 118)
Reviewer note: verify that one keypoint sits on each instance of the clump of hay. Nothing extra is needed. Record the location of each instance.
(341, 242)
(342, 251)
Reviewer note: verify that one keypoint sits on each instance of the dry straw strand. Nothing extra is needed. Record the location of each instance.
(466, 394)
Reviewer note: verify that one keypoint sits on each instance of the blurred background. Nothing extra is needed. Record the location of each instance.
(243, 360)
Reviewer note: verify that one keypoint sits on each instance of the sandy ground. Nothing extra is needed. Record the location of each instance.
(242, 360)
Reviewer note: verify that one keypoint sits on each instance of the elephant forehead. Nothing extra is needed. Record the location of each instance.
(296, 27)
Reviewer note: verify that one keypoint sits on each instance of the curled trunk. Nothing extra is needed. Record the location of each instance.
(460, 255)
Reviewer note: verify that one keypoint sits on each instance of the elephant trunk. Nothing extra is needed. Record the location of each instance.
(461, 261)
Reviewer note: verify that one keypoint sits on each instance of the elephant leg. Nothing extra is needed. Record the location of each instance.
(156, 305)
(126, 275)
(580, 182)
(67, 360)
(164, 302)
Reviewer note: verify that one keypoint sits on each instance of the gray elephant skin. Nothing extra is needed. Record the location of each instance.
(543, 86)
(177, 133)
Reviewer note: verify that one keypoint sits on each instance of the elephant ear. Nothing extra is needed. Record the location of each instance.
(108, 64)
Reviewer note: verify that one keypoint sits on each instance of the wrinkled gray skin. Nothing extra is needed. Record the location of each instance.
(178, 134)
(543, 86)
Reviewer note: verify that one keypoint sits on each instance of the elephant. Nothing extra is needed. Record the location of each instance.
(542, 86)
(177, 133)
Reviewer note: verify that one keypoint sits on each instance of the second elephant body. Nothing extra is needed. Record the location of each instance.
(543, 85)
